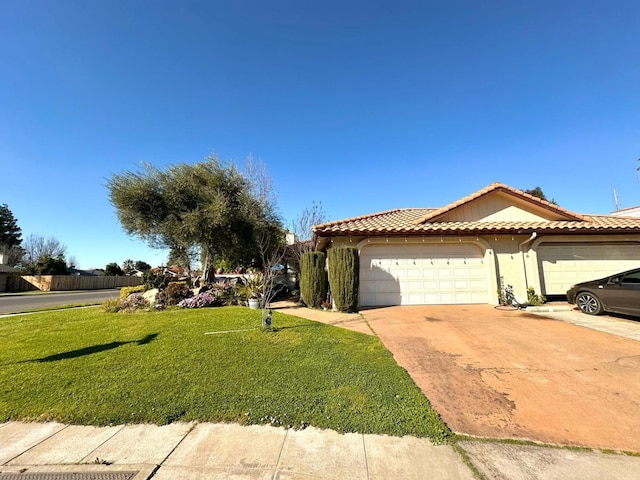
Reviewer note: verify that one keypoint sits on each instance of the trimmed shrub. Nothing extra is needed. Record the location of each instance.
(173, 294)
(344, 274)
(126, 291)
(313, 278)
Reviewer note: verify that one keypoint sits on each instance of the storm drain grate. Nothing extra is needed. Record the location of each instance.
(69, 476)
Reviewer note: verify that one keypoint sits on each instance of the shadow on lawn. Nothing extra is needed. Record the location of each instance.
(81, 352)
(287, 327)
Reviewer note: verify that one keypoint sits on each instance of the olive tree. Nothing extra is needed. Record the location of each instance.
(209, 205)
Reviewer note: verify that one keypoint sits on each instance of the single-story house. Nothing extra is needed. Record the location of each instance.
(6, 273)
(466, 251)
(627, 212)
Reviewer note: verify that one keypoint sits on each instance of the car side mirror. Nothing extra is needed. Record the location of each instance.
(615, 281)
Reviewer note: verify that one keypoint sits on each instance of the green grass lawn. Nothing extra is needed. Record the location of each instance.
(84, 366)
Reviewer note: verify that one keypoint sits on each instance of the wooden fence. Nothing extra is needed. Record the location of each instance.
(69, 282)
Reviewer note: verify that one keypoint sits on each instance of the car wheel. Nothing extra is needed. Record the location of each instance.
(588, 303)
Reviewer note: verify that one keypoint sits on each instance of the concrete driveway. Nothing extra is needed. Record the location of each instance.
(497, 373)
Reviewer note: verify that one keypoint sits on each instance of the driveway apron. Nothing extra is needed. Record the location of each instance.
(497, 373)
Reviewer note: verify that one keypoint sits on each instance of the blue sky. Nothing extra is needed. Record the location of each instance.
(363, 105)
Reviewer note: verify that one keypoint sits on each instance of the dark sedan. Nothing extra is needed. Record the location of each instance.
(619, 293)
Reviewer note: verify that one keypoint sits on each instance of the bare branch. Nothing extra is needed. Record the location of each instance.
(301, 227)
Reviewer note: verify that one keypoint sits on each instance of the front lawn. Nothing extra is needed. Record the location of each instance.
(84, 366)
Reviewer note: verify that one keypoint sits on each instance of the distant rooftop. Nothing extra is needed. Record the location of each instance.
(627, 212)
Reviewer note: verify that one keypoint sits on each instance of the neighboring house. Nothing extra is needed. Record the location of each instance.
(627, 212)
(463, 252)
(5, 272)
(135, 273)
(175, 271)
(83, 273)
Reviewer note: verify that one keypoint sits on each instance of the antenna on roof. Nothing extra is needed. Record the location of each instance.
(616, 199)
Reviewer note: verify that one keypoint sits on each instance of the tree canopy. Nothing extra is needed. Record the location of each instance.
(10, 232)
(537, 192)
(48, 265)
(113, 269)
(209, 205)
(44, 256)
(142, 266)
(10, 236)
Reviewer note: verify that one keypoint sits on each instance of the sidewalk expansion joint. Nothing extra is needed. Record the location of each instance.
(284, 441)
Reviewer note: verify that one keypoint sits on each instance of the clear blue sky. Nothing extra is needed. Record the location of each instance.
(361, 105)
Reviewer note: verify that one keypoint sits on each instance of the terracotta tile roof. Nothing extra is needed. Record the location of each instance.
(423, 221)
(399, 218)
(402, 222)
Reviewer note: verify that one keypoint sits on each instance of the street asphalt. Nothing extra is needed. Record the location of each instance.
(23, 302)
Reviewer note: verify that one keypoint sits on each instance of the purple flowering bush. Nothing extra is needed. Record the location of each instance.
(204, 299)
(134, 302)
(130, 304)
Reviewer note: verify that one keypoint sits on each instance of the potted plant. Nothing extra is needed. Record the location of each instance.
(253, 289)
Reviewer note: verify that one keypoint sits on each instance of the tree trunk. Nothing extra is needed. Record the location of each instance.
(208, 271)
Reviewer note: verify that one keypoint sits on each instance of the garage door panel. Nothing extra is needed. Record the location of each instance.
(367, 287)
(414, 273)
(388, 298)
(562, 265)
(462, 297)
(422, 274)
(416, 286)
(446, 297)
(478, 297)
(446, 285)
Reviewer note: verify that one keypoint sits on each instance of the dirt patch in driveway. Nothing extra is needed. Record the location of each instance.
(511, 374)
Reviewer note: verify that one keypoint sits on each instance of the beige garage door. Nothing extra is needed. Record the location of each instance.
(562, 265)
(419, 274)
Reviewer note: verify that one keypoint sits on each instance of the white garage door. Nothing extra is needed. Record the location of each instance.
(422, 274)
(563, 265)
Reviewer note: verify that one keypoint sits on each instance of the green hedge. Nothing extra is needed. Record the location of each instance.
(344, 274)
(313, 279)
(126, 291)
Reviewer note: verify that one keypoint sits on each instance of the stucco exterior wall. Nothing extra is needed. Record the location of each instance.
(512, 263)
(494, 208)
(512, 258)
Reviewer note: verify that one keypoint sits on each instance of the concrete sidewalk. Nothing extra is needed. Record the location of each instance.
(615, 325)
(205, 450)
(222, 451)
